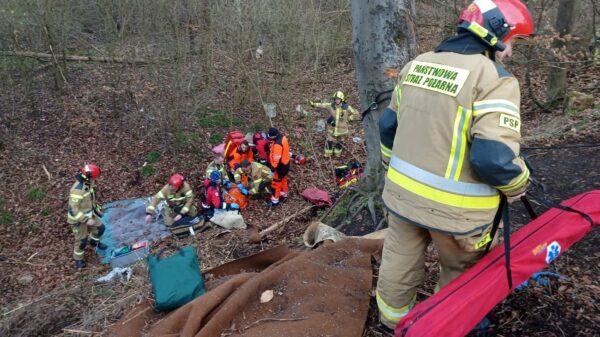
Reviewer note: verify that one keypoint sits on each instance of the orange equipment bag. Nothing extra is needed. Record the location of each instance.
(235, 195)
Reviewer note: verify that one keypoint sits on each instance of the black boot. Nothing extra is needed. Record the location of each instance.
(98, 244)
(384, 330)
(80, 264)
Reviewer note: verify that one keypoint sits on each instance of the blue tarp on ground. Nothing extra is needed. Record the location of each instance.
(125, 224)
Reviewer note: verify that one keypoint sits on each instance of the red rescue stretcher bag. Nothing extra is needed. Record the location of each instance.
(457, 308)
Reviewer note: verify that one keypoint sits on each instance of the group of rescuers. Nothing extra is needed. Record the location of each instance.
(266, 175)
(450, 148)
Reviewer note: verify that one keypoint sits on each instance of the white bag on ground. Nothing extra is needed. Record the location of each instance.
(229, 220)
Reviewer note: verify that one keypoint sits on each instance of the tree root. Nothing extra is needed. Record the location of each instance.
(371, 207)
(380, 224)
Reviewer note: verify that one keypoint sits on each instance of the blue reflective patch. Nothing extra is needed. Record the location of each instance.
(493, 162)
(387, 127)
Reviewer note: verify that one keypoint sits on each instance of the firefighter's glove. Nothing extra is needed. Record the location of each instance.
(242, 189)
(331, 121)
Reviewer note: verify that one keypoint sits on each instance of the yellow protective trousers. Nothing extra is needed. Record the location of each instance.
(402, 269)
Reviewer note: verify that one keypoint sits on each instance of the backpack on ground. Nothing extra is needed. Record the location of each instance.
(176, 280)
(232, 141)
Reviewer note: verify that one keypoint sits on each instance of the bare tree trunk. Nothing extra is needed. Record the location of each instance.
(383, 36)
(557, 78)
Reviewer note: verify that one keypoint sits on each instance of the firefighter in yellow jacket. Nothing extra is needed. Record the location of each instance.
(218, 164)
(179, 196)
(337, 123)
(450, 143)
(259, 176)
(84, 213)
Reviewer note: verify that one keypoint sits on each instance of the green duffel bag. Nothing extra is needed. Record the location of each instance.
(176, 280)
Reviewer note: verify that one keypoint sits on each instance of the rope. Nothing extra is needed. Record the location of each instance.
(561, 147)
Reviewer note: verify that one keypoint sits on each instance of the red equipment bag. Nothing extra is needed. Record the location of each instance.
(233, 140)
(457, 308)
(317, 197)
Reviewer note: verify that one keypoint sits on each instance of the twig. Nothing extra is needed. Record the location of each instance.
(47, 173)
(81, 331)
(271, 319)
(231, 251)
(31, 257)
(136, 315)
(273, 227)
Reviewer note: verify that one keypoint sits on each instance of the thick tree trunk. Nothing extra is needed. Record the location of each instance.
(383, 36)
(557, 78)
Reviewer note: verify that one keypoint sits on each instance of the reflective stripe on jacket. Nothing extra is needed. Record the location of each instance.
(184, 196)
(455, 124)
(342, 114)
(82, 201)
(280, 152)
(214, 167)
(258, 173)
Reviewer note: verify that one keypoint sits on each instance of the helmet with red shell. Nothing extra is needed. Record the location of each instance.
(502, 18)
(176, 180)
(90, 171)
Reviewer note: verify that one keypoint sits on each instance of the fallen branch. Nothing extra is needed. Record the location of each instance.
(269, 319)
(257, 237)
(81, 332)
(80, 58)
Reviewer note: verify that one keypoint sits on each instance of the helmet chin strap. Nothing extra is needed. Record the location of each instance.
(484, 34)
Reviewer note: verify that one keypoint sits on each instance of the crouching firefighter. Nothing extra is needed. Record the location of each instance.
(279, 161)
(258, 176)
(467, 120)
(211, 199)
(337, 123)
(179, 197)
(84, 213)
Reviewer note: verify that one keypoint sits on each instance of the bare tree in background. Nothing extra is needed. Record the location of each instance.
(383, 37)
(557, 78)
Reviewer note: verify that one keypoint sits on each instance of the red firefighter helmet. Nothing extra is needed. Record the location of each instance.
(176, 180)
(503, 18)
(300, 159)
(90, 171)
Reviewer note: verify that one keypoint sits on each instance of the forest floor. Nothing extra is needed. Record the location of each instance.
(42, 294)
